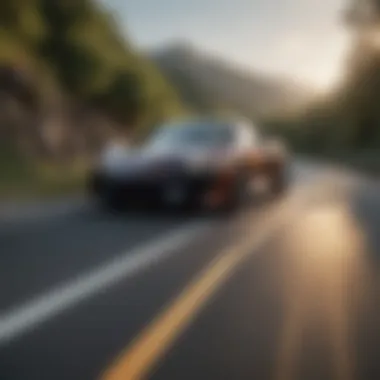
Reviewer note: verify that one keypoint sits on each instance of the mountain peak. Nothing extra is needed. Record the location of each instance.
(176, 50)
(210, 82)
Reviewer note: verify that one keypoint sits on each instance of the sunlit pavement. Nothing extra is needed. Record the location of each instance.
(287, 289)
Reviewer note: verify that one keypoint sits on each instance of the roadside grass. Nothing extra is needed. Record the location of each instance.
(21, 179)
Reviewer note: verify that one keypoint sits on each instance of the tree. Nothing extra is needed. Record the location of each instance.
(75, 50)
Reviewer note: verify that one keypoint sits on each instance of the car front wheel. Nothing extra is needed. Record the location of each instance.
(279, 182)
(237, 196)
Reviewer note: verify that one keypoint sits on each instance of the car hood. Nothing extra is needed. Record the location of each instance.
(139, 161)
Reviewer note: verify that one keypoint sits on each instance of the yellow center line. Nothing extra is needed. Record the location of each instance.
(150, 346)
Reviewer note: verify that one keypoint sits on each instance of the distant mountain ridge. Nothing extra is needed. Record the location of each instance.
(209, 83)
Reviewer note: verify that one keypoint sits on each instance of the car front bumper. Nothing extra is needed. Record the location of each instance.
(197, 189)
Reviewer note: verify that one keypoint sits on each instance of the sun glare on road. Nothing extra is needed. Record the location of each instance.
(322, 278)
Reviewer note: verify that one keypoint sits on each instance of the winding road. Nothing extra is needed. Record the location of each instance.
(285, 289)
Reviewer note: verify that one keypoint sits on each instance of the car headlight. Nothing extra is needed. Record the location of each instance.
(198, 164)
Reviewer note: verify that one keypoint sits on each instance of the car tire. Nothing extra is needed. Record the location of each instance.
(279, 182)
(237, 196)
(112, 201)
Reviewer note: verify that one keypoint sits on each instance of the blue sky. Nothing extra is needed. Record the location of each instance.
(298, 38)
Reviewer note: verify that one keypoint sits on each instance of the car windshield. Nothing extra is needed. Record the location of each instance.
(192, 135)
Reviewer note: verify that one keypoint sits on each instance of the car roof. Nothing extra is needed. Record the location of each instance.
(233, 122)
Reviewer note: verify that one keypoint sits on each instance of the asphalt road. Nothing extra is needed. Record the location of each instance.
(286, 289)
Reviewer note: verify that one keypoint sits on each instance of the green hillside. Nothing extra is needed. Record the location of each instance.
(74, 48)
(69, 80)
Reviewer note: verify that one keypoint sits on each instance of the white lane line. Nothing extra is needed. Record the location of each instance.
(33, 313)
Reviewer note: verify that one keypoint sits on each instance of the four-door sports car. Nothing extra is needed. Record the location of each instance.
(197, 163)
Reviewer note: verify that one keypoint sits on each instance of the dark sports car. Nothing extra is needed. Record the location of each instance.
(201, 163)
